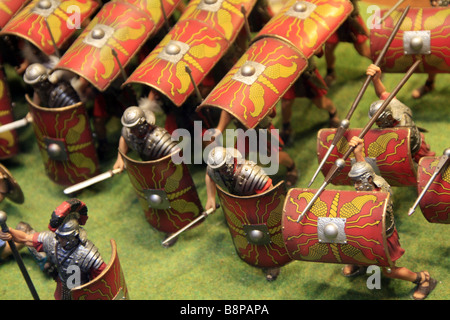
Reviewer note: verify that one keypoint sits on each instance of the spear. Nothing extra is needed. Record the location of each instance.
(339, 164)
(17, 257)
(440, 166)
(346, 122)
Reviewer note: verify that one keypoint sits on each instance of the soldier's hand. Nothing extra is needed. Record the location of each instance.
(210, 204)
(373, 71)
(5, 236)
(119, 164)
(358, 145)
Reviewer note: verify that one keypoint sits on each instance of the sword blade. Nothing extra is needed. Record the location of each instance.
(14, 125)
(91, 181)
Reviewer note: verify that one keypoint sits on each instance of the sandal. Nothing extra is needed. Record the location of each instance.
(291, 177)
(334, 121)
(272, 273)
(286, 132)
(171, 242)
(330, 78)
(423, 90)
(423, 278)
(355, 271)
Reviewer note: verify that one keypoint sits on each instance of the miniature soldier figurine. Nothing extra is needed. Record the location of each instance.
(365, 179)
(431, 78)
(49, 90)
(396, 114)
(266, 124)
(67, 246)
(310, 85)
(140, 133)
(353, 30)
(229, 170)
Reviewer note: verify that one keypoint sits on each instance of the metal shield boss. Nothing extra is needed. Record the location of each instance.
(387, 150)
(343, 227)
(225, 16)
(257, 81)
(65, 141)
(9, 143)
(435, 204)
(62, 17)
(424, 36)
(190, 43)
(306, 25)
(109, 285)
(254, 223)
(166, 192)
(108, 43)
(199, 39)
(8, 8)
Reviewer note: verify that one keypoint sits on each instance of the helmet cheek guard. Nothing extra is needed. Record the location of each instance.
(64, 209)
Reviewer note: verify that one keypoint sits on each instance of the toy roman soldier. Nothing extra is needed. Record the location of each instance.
(243, 186)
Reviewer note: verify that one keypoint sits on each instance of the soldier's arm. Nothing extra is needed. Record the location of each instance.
(210, 192)
(358, 143)
(123, 147)
(375, 72)
(224, 121)
(17, 236)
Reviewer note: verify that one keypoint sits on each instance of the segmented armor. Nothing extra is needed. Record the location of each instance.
(156, 144)
(85, 256)
(241, 179)
(51, 95)
(402, 115)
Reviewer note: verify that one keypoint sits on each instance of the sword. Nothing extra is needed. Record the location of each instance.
(16, 124)
(58, 54)
(339, 164)
(246, 24)
(202, 216)
(440, 166)
(122, 71)
(343, 127)
(17, 257)
(197, 91)
(91, 181)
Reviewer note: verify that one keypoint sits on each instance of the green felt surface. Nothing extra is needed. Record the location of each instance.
(203, 264)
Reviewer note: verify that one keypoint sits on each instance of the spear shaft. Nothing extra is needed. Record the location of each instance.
(340, 163)
(346, 122)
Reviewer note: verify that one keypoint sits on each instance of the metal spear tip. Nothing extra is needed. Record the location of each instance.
(3, 217)
(340, 163)
(345, 123)
(447, 152)
(411, 211)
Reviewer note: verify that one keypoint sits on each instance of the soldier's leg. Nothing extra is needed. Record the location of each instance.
(424, 282)
(292, 172)
(426, 88)
(363, 49)
(325, 103)
(330, 59)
